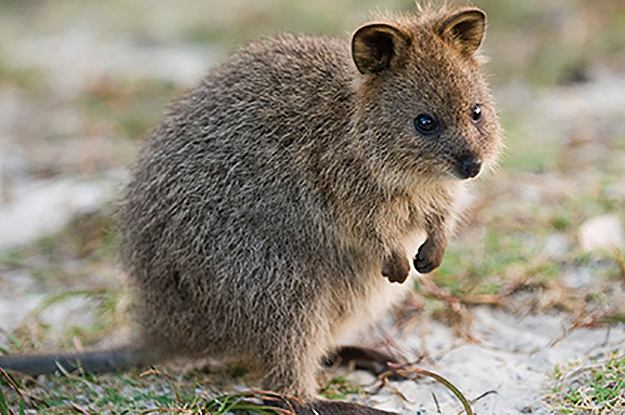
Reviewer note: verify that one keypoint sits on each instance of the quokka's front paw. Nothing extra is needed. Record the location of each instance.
(396, 267)
(429, 257)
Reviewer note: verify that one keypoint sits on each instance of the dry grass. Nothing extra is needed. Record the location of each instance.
(594, 386)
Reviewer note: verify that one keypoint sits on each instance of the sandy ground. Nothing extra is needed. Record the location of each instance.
(513, 358)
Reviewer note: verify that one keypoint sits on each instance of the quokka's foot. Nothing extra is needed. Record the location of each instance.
(340, 408)
(365, 358)
(326, 407)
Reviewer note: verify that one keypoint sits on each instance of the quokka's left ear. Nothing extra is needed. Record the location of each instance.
(376, 46)
(465, 28)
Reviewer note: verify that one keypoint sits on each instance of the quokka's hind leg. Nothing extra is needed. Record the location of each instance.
(364, 358)
(290, 366)
(293, 374)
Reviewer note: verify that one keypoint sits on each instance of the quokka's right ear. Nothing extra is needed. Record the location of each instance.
(376, 46)
(466, 27)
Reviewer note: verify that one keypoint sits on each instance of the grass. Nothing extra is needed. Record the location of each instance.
(593, 386)
(149, 392)
(155, 391)
(339, 387)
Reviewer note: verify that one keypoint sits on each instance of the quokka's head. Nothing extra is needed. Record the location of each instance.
(426, 109)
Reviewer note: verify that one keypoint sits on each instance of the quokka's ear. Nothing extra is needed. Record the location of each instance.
(466, 27)
(376, 46)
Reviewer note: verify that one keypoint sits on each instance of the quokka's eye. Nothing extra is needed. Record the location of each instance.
(426, 124)
(476, 113)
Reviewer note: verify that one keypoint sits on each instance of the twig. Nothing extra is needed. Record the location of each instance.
(12, 383)
(438, 406)
(79, 409)
(484, 395)
(153, 371)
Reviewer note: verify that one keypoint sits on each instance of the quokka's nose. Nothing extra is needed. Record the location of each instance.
(469, 166)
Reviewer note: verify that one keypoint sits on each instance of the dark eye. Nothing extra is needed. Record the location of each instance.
(426, 124)
(476, 114)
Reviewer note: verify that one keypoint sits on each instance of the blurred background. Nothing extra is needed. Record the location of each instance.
(82, 82)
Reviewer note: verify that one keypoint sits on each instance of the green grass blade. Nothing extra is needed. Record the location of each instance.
(406, 373)
(4, 407)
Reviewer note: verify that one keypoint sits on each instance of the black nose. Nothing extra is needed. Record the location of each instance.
(469, 166)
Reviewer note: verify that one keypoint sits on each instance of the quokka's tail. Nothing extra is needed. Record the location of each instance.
(112, 360)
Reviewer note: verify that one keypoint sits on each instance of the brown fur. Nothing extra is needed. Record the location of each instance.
(268, 203)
